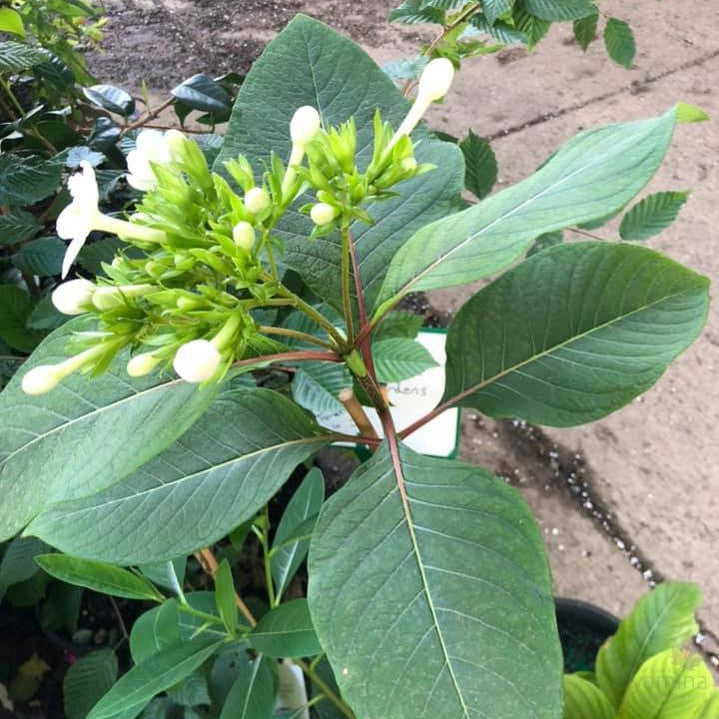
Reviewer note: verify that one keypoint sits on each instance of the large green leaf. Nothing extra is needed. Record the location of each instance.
(584, 700)
(225, 468)
(663, 619)
(670, 685)
(557, 10)
(430, 592)
(310, 64)
(49, 443)
(573, 333)
(305, 503)
(24, 180)
(286, 631)
(711, 709)
(594, 174)
(159, 672)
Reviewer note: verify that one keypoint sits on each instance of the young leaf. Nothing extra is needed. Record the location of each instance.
(663, 619)
(584, 700)
(594, 174)
(156, 674)
(480, 165)
(87, 680)
(98, 576)
(155, 630)
(49, 450)
(690, 113)
(305, 503)
(573, 333)
(670, 685)
(428, 578)
(399, 358)
(10, 21)
(652, 215)
(225, 596)
(252, 695)
(548, 239)
(316, 385)
(310, 64)
(711, 709)
(399, 324)
(619, 41)
(225, 468)
(558, 10)
(585, 30)
(286, 631)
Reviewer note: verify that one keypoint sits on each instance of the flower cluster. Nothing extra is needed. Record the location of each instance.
(199, 261)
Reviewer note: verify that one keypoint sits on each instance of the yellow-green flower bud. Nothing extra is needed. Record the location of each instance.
(142, 364)
(257, 200)
(73, 297)
(244, 235)
(322, 213)
(197, 361)
(305, 124)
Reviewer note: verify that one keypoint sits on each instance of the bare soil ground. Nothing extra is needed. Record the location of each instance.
(633, 497)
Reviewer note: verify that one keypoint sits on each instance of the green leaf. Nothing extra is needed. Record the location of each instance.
(15, 56)
(224, 469)
(494, 9)
(428, 579)
(87, 680)
(48, 451)
(502, 31)
(155, 630)
(191, 692)
(399, 324)
(480, 165)
(558, 10)
(45, 316)
(663, 619)
(202, 93)
(411, 12)
(711, 708)
(584, 700)
(252, 695)
(18, 562)
(532, 27)
(305, 503)
(573, 333)
(10, 21)
(399, 358)
(652, 215)
(316, 385)
(169, 574)
(585, 30)
(26, 180)
(619, 41)
(670, 685)
(112, 99)
(190, 625)
(42, 256)
(159, 672)
(15, 308)
(98, 576)
(286, 631)
(690, 113)
(310, 64)
(548, 239)
(225, 596)
(592, 175)
(17, 226)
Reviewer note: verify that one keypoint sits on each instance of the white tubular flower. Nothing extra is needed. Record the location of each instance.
(305, 124)
(197, 361)
(151, 146)
(109, 297)
(73, 297)
(257, 200)
(142, 364)
(244, 235)
(322, 213)
(80, 217)
(41, 379)
(434, 83)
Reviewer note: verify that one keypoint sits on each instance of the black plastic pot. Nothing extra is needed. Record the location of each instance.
(583, 628)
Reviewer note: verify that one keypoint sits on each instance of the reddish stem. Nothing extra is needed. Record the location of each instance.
(290, 357)
(365, 326)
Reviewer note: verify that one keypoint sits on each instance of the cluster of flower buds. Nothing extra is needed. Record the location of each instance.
(199, 259)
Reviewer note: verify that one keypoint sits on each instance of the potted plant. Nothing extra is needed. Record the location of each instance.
(141, 431)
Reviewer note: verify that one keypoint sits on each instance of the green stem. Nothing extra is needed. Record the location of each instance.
(317, 680)
(346, 297)
(301, 336)
(5, 84)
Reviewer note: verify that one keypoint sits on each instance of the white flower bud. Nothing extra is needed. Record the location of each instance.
(257, 200)
(197, 361)
(73, 297)
(409, 164)
(175, 143)
(322, 213)
(41, 379)
(305, 124)
(142, 364)
(244, 235)
(436, 79)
